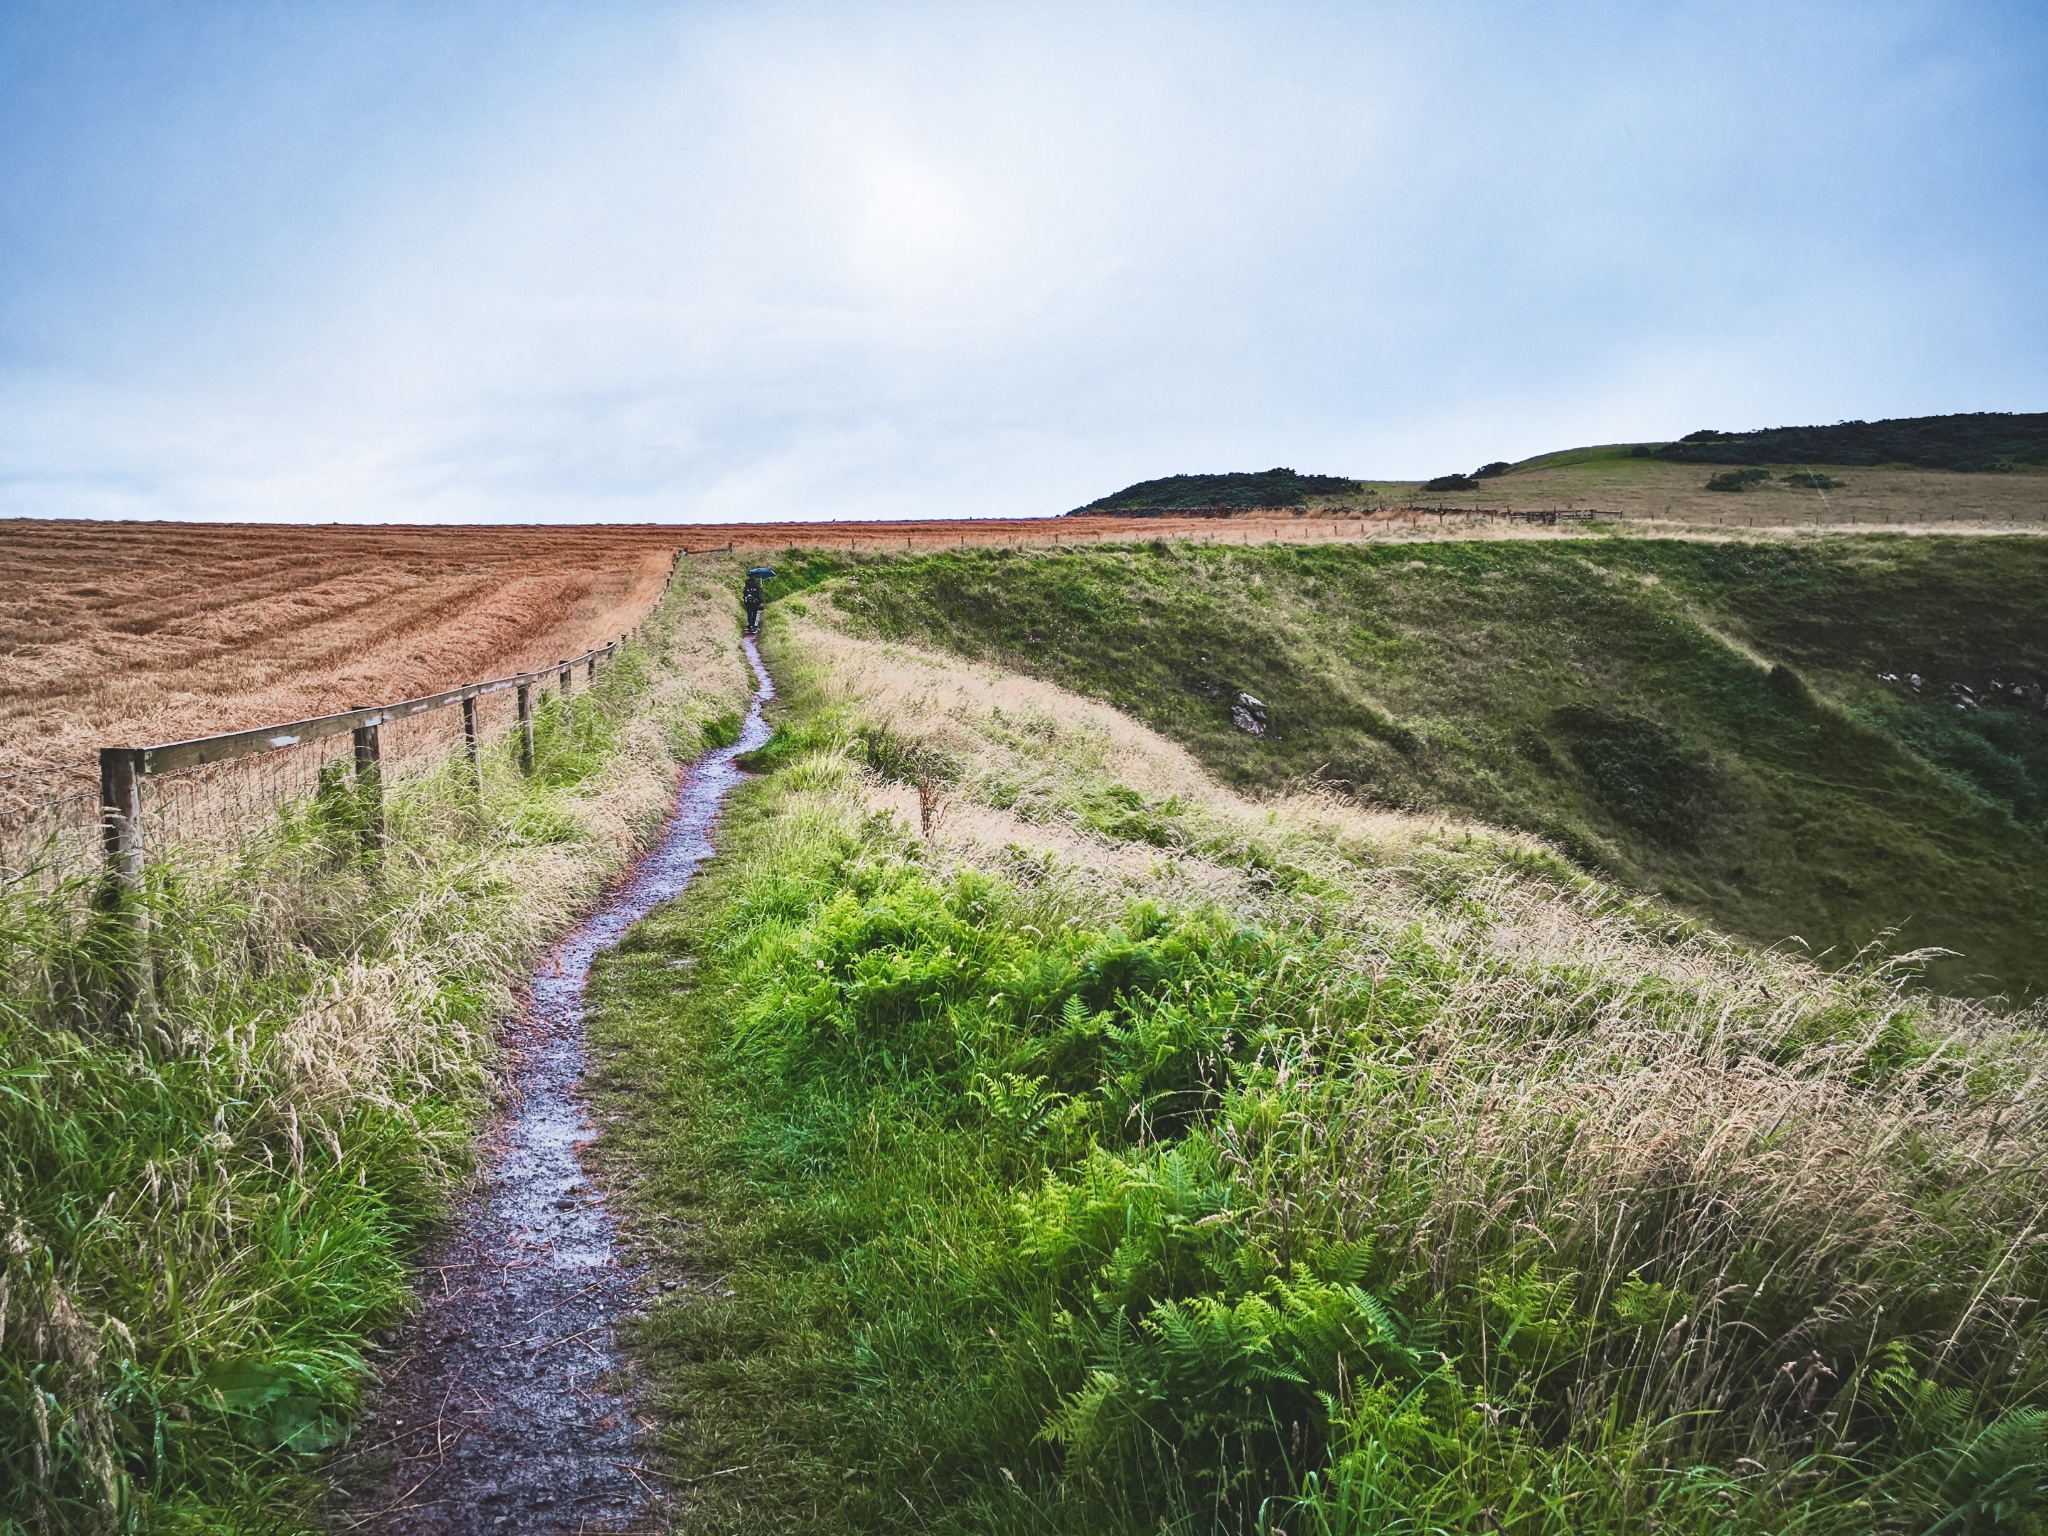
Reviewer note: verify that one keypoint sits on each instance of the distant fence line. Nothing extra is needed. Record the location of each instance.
(65, 821)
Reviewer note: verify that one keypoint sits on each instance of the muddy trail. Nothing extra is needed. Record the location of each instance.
(505, 1406)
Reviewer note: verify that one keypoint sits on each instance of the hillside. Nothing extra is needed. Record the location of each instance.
(1918, 471)
(1031, 1135)
(1734, 727)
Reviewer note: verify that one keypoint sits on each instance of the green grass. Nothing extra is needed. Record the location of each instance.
(1604, 453)
(1701, 721)
(1014, 1197)
(207, 1200)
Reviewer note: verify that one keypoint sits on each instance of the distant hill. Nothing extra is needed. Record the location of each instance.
(1980, 440)
(1977, 441)
(1238, 492)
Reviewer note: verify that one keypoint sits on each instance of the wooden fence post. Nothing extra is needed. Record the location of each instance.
(568, 679)
(469, 740)
(590, 670)
(121, 814)
(121, 833)
(526, 728)
(370, 789)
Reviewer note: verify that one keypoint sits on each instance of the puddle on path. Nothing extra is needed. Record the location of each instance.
(503, 1412)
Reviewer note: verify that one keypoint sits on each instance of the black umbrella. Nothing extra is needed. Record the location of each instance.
(760, 570)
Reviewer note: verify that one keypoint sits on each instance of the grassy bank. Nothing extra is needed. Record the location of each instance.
(206, 1205)
(1703, 721)
(1127, 1156)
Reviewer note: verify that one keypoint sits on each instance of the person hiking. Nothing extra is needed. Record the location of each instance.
(755, 596)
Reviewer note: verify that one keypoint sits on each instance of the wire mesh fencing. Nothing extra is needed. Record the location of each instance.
(194, 812)
(191, 811)
(189, 798)
(49, 825)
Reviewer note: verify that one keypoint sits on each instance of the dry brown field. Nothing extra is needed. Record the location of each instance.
(129, 634)
(135, 633)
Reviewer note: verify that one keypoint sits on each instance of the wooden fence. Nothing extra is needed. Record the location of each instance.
(123, 769)
(126, 772)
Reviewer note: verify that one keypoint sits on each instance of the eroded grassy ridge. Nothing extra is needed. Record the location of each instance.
(205, 1205)
(1119, 1160)
(1702, 721)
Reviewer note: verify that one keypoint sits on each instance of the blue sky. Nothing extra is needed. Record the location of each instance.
(634, 262)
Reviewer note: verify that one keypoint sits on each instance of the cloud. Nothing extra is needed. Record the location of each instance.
(725, 262)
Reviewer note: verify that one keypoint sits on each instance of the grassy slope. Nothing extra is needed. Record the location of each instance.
(1615, 478)
(1612, 478)
(205, 1214)
(1127, 1158)
(1702, 721)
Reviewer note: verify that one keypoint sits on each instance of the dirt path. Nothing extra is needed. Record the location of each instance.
(505, 1407)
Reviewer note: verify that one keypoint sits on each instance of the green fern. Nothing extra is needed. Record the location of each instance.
(1980, 1475)
(1020, 1107)
(1996, 1475)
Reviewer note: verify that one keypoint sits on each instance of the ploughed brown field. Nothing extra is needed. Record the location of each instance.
(129, 634)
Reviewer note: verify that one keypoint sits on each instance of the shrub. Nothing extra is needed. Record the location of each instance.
(1737, 479)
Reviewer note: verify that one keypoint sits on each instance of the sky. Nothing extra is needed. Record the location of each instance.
(617, 262)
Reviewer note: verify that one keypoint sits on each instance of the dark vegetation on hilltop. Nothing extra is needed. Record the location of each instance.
(1469, 482)
(1980, 440)
(1710, 722)
(1974, 441)
(1743, 479)
(1237, 492)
